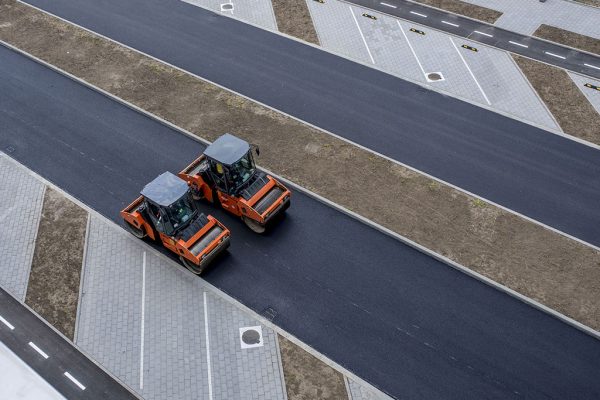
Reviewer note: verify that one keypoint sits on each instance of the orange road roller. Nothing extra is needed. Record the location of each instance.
(165, 210)
(226, 174)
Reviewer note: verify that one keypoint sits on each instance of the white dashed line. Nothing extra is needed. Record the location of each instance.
(450, 23)
(484, 34)
(518, 44)
(419, 14)
(388, 5)
(591, 66)
(75, 381)
(38, 350)
(210, 390)
(361, 35)
(411, 48)
(471, 72)
(8, 324)
(554, 55)
(142, 320)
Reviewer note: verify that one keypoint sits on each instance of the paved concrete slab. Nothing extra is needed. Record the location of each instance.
(593, 95)
(525, 16)
(356, 391)
(21, 198)
(258, 12)
(158, 345)
(488, 77)
(337, 29)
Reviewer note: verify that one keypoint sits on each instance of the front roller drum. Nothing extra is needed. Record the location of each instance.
(253, 225)
(194, 268)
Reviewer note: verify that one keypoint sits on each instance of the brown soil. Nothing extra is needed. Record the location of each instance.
(462, 8)
(574, 113)
(539, 263)
(595, 3)
(308, 378)
(568, 38)
(53, 289)
(293, 18)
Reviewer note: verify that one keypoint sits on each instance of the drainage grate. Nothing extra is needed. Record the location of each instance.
(269, 313)
(9, 149)
(251, 336)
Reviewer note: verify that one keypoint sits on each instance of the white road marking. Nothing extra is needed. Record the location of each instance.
(8, 324)
(554, 55)
(361, 35)
(411, 48)
(450, 23)
(484, 34)
(591, 66)
(388, 5)
(210, 390)
(38, 350)
(143, 312)
(75, 381)
(419, 14)
(471, 72)
(518, 44)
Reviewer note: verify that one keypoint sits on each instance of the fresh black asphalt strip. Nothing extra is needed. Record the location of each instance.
(409, 324)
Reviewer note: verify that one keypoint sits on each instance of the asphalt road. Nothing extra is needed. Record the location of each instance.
(62, 356)
(528, 46)
(541, 175)
(407, 323)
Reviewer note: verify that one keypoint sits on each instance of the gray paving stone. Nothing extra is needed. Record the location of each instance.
(525, 16)
(258, 12)
(21, 198)
(359, 392)
(174, 338)
(592, 95)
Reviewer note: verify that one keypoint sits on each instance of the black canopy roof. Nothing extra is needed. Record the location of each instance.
(165, 189)
(227, 149)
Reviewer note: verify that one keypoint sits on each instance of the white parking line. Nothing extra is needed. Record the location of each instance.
(484, 34)
(591, 66)
(554, 55)
(8, 324)
(518, 44)
(388, 5)
(419, 14)
(470, 72)
(75, 381)
(361, 35)
(38, 350)
(450, 23)
(142, 320)
(411, 48)
(210, 390)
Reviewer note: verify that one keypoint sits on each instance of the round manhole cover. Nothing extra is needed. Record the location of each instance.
(251, 336)
(227, 6)
(434, 76)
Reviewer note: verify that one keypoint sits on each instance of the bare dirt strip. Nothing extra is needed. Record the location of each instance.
(463, 8)
(560, 273)
(293, 18)
(53, 289)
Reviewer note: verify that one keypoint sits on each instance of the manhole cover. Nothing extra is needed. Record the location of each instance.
(227, 7)
(251, 336)
(434, 76)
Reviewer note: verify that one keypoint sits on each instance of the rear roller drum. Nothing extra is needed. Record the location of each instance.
(135, 231)
(253, 225)
(196, 269)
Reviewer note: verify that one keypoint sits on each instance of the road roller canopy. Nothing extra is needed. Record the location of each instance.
(227, 149)
(165, 189)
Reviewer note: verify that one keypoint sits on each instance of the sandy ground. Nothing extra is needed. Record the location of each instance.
(306, 377)
(595, 3)
(539, 263)
(293, 18)
(568, 38)
(53, 290)
(462, 8)
(574, 113)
